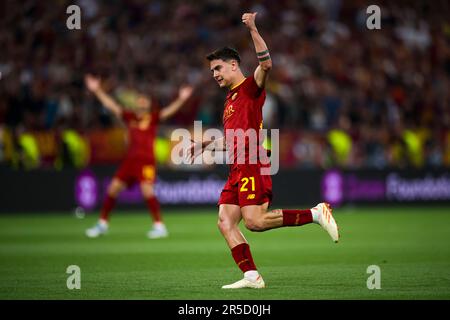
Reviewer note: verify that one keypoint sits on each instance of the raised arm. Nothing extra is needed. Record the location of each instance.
(94, 85)
(262, 52)
(183, 95)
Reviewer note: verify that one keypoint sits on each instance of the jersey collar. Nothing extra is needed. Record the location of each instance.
(237, 85)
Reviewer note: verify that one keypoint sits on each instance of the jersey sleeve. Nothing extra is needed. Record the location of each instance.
(251, 88)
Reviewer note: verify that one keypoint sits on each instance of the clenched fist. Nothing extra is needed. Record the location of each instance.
(249, 20)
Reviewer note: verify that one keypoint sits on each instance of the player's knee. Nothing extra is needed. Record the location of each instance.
(254, 224)
(148, 193)
(113, 191)
(224, 225)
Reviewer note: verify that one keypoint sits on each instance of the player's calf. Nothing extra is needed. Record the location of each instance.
(256, 224)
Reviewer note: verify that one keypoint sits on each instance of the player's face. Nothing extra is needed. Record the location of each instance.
(143, 104)
(223, 72)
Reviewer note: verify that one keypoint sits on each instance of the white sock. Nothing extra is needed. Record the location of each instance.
(315, 215)
(251, 275)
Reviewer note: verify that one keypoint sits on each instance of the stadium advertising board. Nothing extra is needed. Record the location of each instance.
(49, 190)
(340, 187)
(184, 189)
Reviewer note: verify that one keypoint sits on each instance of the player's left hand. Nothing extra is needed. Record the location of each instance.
(185, 92)
(92, 83)
(195, 149)
(249, 20)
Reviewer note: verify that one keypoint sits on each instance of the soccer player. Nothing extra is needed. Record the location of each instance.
(139, 162)
(247, 194)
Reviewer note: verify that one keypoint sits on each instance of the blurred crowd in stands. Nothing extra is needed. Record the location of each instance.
(341, 94)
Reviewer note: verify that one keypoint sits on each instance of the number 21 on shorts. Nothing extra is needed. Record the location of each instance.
(245, 181)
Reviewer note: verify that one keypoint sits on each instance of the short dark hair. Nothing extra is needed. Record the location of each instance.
(225, 53)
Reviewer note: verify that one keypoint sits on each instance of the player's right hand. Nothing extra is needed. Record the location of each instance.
(92, 83)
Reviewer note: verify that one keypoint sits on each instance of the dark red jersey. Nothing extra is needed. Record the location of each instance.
(243, 110)
(141, 135)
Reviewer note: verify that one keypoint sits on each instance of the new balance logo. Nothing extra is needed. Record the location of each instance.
(251, 196)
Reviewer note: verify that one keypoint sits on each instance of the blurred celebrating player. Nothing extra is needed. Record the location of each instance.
(247, 193)
(139, 163)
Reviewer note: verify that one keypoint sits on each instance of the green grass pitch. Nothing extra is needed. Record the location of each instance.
(410, 245)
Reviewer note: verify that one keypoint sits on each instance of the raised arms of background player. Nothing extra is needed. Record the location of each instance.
(94, 85)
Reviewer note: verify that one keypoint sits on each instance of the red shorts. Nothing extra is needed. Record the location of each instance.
(132, 171)
(246, 186)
